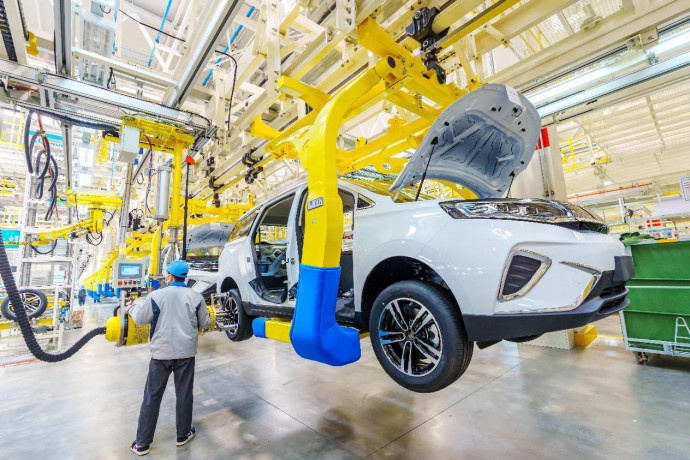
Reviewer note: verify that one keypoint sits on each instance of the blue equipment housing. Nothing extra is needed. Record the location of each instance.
(314, 332)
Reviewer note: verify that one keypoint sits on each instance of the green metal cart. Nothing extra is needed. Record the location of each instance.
(657, 320)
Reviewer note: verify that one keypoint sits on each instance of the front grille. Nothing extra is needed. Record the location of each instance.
(520, 272)
(614, 296)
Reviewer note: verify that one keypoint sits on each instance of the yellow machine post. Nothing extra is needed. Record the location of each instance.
(314, 333)
(324, 215)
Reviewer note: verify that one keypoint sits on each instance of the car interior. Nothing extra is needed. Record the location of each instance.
(270, 248)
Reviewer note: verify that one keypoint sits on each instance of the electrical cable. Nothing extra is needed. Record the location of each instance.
(53, 245)
(27, 151)
(94, 240)
(73, 121)
(112, 216)
(111, 83)
(23, 320)
(50, 166)
(153, 28)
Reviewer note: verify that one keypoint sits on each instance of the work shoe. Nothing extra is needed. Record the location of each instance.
(181, 441)
(140, 449)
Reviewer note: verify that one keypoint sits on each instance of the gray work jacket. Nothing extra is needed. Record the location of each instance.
(176, 313)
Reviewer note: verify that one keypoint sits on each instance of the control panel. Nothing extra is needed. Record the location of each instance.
(129, 273)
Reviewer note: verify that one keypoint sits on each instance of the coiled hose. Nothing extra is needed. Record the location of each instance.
(23, 320)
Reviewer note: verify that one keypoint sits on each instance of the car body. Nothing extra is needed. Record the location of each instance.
(580, 276)
(429, 278)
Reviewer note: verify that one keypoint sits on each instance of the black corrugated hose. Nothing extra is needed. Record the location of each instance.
(23, 320)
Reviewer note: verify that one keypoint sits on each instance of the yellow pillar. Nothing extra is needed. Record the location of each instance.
(324, 215)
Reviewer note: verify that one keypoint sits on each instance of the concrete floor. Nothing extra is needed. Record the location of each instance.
(257, 399)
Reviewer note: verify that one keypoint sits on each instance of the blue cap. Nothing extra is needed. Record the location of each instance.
(179, 268)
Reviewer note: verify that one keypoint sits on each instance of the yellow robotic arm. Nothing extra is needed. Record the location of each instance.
(97, 203)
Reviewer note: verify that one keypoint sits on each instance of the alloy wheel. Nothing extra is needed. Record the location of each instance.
(31, 302)
(410, 337)
(231, 320)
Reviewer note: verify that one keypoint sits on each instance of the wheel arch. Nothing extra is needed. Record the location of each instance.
(393, 270)
(227, 284)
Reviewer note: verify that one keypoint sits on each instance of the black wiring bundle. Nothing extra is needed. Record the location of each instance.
(40, 169)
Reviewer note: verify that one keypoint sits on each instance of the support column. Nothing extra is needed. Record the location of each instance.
(543, 177)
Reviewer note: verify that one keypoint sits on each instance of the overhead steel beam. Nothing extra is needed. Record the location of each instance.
(147, 75)
(613, 31)
(674, 70)
(201, 48)
(101, 102)
(511, 25)
(63, 36)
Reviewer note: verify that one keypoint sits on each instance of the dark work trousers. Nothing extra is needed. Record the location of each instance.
(159, 371)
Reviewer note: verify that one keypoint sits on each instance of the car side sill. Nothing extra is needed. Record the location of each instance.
(286, 312)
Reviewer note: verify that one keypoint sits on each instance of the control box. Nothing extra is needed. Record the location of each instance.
(129, 273)
(129, 144)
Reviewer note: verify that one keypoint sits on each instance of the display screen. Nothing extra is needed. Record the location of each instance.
(130, 271)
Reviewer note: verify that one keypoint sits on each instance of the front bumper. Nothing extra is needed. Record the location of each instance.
(609, 296)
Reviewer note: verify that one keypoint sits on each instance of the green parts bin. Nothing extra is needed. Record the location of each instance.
(658, 317)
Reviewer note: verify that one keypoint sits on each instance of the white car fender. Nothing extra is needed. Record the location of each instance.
(229, 265)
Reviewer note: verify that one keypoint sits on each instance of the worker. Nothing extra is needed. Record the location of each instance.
(81, 297)
(175, 314)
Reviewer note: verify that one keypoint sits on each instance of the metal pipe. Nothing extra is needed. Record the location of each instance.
(184, 226)
(176, 190)
(124, 208)
(163, 194)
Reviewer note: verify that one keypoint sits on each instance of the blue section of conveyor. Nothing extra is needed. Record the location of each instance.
(314, 333)
(259, 327)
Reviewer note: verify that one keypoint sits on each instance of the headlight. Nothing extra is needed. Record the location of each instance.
(551, 212)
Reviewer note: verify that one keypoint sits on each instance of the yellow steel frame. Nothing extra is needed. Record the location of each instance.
(398, 76)
(168, 139)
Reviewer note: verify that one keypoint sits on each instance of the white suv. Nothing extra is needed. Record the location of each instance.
(429, 278)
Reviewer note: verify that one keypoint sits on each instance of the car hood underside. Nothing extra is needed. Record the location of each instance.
(481, 141)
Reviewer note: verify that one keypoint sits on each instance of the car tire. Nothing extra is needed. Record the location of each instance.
(35, 303)
(242, 322)
(430, 350)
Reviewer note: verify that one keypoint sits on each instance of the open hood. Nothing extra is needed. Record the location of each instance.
(209, 235)
(481, 141)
